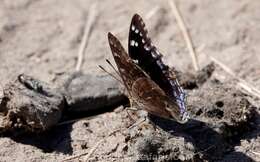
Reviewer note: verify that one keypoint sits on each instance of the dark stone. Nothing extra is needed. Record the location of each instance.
(31, 105)
(89, 92)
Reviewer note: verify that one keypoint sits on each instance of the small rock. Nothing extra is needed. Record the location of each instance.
(90, 92)
(31, 104)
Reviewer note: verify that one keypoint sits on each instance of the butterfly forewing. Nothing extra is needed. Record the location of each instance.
(148, 57)
(137, 38)
(128, 70)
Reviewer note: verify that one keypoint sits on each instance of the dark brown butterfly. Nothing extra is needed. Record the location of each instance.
(149, 82)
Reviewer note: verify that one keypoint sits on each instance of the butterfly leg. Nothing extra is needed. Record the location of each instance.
(131, 108)
(137, 123)
(130, 117)
(142, 120)
(155, 127)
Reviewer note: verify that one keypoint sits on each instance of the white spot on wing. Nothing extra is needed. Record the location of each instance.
(135, 61)
(143, 41)
(132, 43)
(111, 42)
(136, 31)
(153, 54)
(136, 44)
(157, 52)
(116, 54)
(147, 48)
(177, 82)
(122, 70)
(133, 28)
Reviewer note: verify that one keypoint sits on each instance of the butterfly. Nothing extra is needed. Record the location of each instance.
(151, 84)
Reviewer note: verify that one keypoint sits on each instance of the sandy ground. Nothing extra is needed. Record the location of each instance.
(41, 38)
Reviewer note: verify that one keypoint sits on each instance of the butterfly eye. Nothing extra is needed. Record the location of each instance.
(167, 106)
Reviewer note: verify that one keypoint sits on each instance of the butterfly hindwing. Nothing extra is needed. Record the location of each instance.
(153, 99)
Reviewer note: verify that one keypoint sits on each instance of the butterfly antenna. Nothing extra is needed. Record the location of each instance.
(112, 67)
(112, 75)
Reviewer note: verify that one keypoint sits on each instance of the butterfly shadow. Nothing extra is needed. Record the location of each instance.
(211, 144)
(57, 139)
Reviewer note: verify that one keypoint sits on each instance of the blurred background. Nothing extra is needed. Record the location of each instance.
(42, 37)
